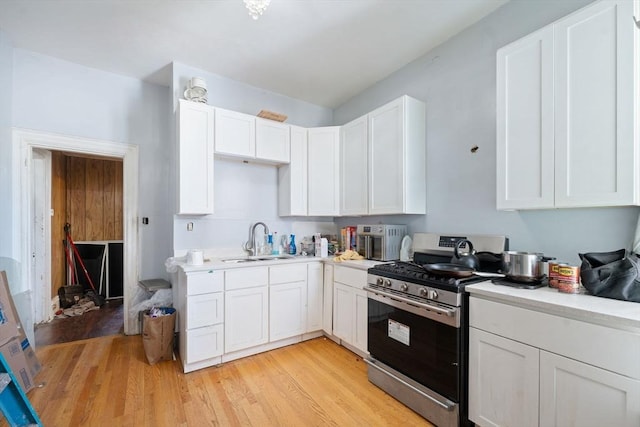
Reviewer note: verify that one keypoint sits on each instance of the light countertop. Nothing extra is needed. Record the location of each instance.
(604, 311)
(218, 264)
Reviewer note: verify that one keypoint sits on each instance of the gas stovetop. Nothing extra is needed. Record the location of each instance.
(414, 273)
(431, 248)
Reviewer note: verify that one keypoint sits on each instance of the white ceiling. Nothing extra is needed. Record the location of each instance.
(320, 51)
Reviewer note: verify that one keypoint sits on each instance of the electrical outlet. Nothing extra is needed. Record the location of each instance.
(189, 226)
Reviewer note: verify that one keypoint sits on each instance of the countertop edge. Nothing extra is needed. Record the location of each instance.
(588, 308)
(217, 264)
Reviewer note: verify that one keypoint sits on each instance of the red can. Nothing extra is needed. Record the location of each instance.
(563, 274)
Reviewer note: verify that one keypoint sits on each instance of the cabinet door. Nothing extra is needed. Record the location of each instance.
(577, 394)
(360, 320)
(343, 303)
(595, 111)
(324, 171)
(205, 282)
(245, 318)
(503, 381)
(397, 158)
(386, 159)
(327, 309)
(235, 134)
(272, 141)
(292, 178)
(205, 310)
(287, 310)
(525, 158)
(204, 343)
(195, 158)
(354, 190)
(315, 295)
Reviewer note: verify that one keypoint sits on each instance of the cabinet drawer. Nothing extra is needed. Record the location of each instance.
(204, 343)
(205, 310)
(246, 278)
(350, 276)
(205, 282)
(288, 273)
(571, 338)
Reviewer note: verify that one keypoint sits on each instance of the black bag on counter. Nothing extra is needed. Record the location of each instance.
(611, 274)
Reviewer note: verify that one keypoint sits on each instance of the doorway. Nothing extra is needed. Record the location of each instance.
(29, 145)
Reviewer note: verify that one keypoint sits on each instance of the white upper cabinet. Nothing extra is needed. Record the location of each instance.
(567, 107)
(525, 122)
(595, 106)
(397, 158)
(249, 137)
(195, 158)
(272, 140)
(235, 133)
(292, 178)
(354, 191)
(324, 171)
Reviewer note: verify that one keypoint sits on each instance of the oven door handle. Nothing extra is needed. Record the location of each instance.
(450, 313)
(443, 405)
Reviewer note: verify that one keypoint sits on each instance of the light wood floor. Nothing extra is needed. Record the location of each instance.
(107, 382)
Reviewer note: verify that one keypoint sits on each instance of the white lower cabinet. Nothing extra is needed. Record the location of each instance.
(503, 379)
(315, 295)
(350, 307)
(246, 308)
(287, 314)
(343, 311)
(287, 301)
(576, 394)
(199, 300)
(528, 368)
(360, 326)
(205, 343)
(327, 300)
(231, 313)
(246, 318)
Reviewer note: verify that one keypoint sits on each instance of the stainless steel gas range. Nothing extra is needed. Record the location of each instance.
(417, 327)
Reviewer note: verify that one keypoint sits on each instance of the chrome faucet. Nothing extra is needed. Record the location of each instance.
(250, 245)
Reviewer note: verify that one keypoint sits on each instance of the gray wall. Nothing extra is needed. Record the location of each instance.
(56, 96)
(8, 256)
(457, 81)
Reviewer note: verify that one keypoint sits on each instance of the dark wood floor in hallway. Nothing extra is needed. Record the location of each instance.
(108, 320)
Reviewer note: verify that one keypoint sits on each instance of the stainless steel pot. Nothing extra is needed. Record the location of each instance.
(523, 266)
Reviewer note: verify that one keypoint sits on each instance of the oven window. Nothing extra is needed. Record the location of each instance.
(420, 348)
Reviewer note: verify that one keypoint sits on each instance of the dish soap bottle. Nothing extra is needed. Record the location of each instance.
(275, 244)
(269, 247)
(292, 245)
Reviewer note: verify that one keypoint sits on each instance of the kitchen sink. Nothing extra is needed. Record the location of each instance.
(257, 258)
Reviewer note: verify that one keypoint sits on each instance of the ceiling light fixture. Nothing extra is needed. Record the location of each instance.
(256, 7)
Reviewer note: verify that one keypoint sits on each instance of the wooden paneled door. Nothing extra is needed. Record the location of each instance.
(86, 193)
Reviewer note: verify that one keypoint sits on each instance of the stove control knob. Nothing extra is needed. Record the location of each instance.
(433, 294)
(387, 282)
(424, 292)
(379, 281)
(404, 287)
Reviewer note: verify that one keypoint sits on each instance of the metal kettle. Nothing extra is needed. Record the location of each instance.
(469, 260)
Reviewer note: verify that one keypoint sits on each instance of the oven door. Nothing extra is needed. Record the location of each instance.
(409, 340)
